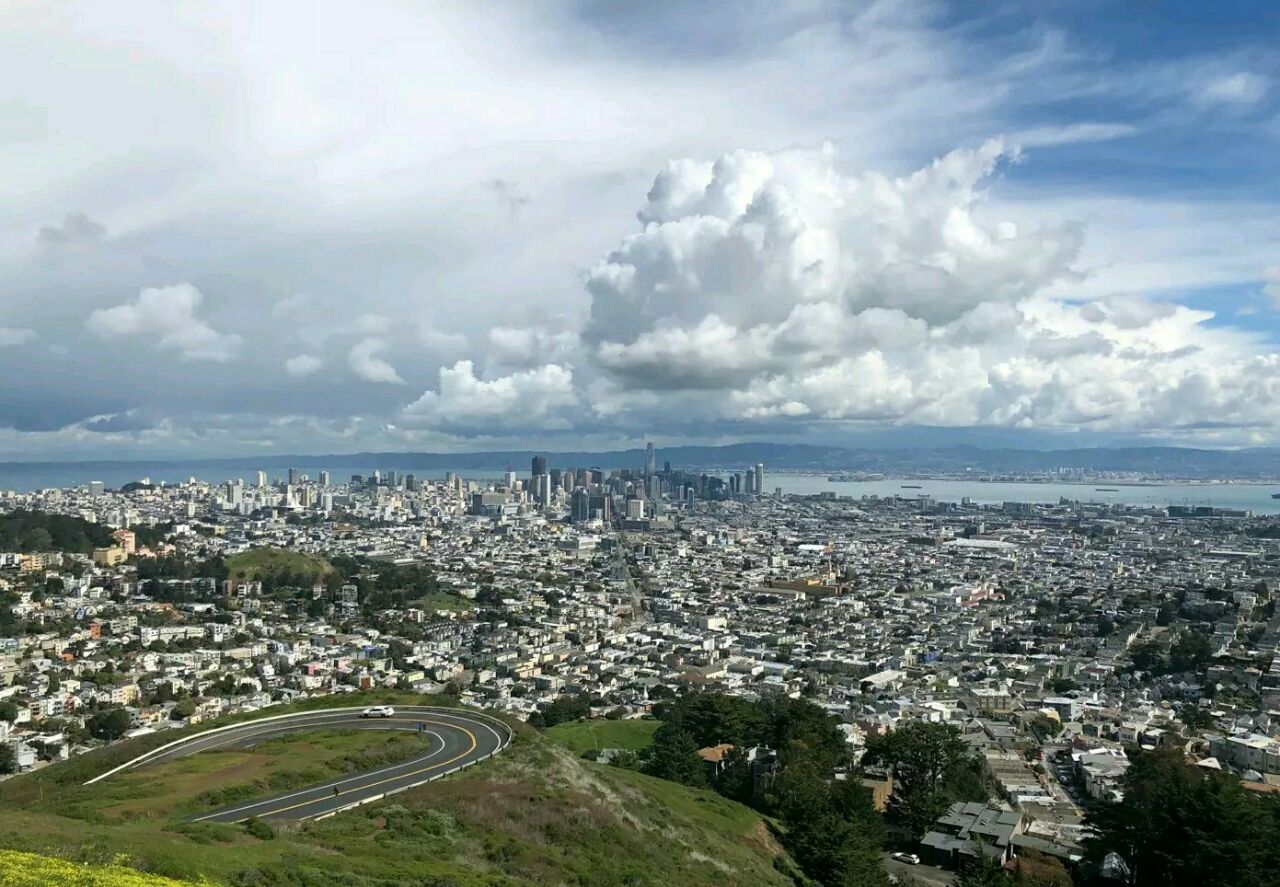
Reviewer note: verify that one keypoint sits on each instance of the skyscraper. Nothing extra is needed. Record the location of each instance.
(539, 465)
(650, 460)
(262, 478)
(293, 476)
(759, 478)
(324, 478)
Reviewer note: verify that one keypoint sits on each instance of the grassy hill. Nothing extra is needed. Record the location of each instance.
(261, 563)
(583, 736)
(32, 870)
(535, 814)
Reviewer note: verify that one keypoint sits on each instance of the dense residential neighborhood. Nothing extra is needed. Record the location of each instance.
(1056, 639)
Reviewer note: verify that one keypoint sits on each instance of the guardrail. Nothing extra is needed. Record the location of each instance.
(438, 709)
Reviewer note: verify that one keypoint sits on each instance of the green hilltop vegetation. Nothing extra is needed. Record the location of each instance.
(586, 737)
(277, 565)
(29, 531)
(536, 814)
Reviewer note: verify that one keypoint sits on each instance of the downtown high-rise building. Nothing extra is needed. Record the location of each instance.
(759, 478)
(650, 460)
(539, 466)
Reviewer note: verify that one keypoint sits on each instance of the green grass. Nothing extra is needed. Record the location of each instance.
(440, 601)
(258, 562)
(581, 736)
(535, 814)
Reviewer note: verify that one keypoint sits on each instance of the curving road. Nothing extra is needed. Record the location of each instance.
(453, 739)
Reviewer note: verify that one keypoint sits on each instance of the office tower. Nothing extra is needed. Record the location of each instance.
(262, 479)
(635, 509)
(759, 478)
(377, 477)
(601, 506)
(580, 506)
(539, 466)
(748, 483)
(293, 477)
(650, 460)
(597, 476)
(326, 503)
(509, 479)
(411, 483)
(97, 488)
(324, 478)
(655, 487)
(557, 479)
(542, 488)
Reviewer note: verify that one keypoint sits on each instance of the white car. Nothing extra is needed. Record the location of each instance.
(378, 711)
(908, 858)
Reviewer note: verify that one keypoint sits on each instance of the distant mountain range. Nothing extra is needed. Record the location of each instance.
(1156, 461)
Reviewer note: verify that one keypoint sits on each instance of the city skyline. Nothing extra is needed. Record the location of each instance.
(1053, 222)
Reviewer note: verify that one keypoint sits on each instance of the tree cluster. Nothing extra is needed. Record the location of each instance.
(1182, 824)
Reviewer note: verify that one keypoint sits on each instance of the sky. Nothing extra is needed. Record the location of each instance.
(238, 228)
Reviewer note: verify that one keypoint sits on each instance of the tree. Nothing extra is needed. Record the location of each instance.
(932, 768)
(8, 759)
(184, 709)
(1190, 652)
(1181, 824)
(8, 710)
(1195, 717)
(674, 755)
(832, 831)
(982, 872)
(109, 724)
(1035, 869)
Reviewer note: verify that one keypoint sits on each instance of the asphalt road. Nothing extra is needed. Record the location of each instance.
(452, 739)
(918, 874)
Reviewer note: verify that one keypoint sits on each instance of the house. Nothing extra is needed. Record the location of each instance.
(969, 829)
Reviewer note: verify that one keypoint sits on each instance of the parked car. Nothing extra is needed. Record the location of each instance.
(378, 711)
(908, 858)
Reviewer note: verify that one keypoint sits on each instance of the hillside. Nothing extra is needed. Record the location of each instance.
(534, 815)
(276, 564)
(33, 870)
(40, 531)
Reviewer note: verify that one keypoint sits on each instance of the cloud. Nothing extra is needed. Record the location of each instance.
(778, 247)
(537, 398)
(168, 315)
(532, 346)
(1239, 89)
(290, 306)
(772, 288)
(10, 336)
(365, 362)
(302, 365)
(76, 228)
(1271, 284)
(438, 340)
(1072, 134)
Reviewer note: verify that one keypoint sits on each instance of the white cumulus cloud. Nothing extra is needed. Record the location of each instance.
(167, 314)
(10, 336)
(366, 363)
(534, 398)
(302, 365)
